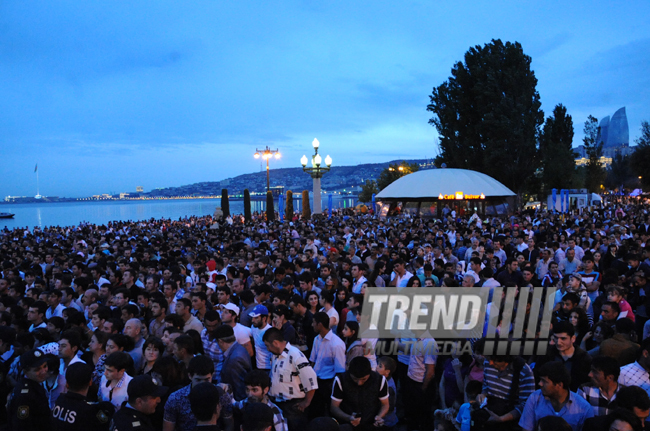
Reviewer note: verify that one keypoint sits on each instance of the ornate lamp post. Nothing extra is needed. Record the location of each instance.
(267, 153)
(316, 171)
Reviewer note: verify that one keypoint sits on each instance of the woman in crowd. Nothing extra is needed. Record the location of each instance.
(152, 350)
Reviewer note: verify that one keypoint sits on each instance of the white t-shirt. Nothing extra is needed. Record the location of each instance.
(262, 355)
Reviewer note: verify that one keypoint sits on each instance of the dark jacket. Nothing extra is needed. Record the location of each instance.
(579, 366)
(29, 408)
(236, 364)
(72, 412)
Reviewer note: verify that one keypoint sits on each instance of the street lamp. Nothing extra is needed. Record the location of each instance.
(267, 153)
(316, 171)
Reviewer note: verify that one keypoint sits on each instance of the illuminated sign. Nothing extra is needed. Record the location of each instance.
(460, 196)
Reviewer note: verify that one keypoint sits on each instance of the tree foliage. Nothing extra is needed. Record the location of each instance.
(556, 150)
(306, 210)
(247, 205)
(289, 205)
(620, 174)
(488, 114)
(394, 172)
(640, 159)
(225, 203)
(367, 190)
(594, 173)
(270, 207)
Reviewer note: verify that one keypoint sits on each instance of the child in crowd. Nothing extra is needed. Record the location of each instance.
(463, 420)
(386, 366)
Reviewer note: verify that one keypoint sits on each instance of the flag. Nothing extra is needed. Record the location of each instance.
(36, 167)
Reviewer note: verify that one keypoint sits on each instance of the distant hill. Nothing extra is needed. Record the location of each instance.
(338, 178)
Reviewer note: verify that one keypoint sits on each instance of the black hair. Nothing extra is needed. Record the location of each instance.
(156, 342)
(557, 373)
(359, 367)
(322, 318)
(119, 361)
(185, 342)
(273, 334)
(204, 400)
(78, 376)
(258, 378)
(200, 365)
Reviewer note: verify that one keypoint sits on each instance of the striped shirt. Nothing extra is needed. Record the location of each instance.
(601, 405)
(498, 383)
(212, 351)
(279, 422)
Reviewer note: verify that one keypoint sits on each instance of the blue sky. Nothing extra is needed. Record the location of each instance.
(107, 96)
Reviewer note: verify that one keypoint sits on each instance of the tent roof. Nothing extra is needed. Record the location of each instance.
(431, 183)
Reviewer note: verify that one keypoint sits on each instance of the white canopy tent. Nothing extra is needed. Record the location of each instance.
(434, 188)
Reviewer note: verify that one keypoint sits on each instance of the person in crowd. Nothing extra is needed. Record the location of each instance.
(360, 397)
(28, 408)
(328, 359)
(601, 392)
(205, 405)
(71, 411)
(115, 381)
(143, 398)
(555, 398)
(236, 362)
(281, 320)
(258, 384)
(260, 317)
(564, 350)
(178, 412)
(636, 373)
(507, 385)
(293, 380)
(152, 350)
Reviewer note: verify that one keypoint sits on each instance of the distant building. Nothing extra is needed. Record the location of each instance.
(139, 189)
(615, 136)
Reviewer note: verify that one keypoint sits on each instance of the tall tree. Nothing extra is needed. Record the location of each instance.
(488, 114)
(394, 172)
(306, 209)
(270, 207)
(620, 174)
(594, 173)
(556, 150)
(640, 159)
(225, 203)
(289, 205)
(367, 190)
(247, 205)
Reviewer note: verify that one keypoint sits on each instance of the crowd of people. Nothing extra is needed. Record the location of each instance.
(224, 325)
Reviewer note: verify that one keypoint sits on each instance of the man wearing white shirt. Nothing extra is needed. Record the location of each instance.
(229, 315)
(55, 308)
(69, 345)
(358, 270)
(400, 276)
(260, 320)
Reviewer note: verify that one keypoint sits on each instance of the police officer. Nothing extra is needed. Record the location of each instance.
(72, 412)
(28, 407)
(144, 395)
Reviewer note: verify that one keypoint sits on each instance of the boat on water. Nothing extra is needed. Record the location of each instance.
(7, 215)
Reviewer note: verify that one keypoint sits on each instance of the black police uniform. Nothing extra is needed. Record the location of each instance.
(72, 412)
(127, 419)
(29, 408)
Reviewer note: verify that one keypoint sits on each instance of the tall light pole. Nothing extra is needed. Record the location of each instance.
(316, 171)
(267, 153)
